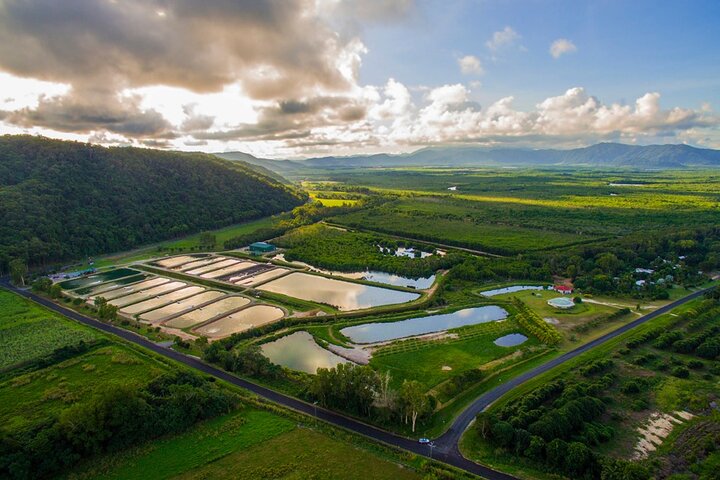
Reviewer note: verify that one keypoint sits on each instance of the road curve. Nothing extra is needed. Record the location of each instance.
(446, 446)
(452, 436)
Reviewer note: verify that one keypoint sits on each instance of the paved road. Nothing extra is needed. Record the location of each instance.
(453, 434)
(446, 446)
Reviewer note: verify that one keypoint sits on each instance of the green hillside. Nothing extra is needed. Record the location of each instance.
(62, 200)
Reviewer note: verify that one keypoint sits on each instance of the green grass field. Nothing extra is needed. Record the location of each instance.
(29, 332)
(248, 444)
(27, 398)
(428, 361)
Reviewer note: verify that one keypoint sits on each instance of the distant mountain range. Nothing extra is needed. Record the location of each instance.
(601, 155)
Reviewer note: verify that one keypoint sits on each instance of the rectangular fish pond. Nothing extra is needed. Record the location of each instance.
(381, 332)
(145, 294)
(229, 270)
(97, 278)
(198, 263)
(111, 285)
(245, 319)
(343, 295)
(173, 262)
(299, 351)
(162, 300)
(203, 314)
(135, 287)
(224, 262)
(179, 306)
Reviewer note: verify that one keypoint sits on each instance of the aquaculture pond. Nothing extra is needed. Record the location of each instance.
(260, 277)
(145, 294)
(299, 351)
(179, 306)
(245, 319)
(162, 300)
(135, 287)
(511, 289)
(203, 314)
(224, 262)
(340, 294)
(173, 262)
(96, 278)
(229, 270)
(399, 281)
(110, 285)
(381, 332)
(511, 340)
(198, 263)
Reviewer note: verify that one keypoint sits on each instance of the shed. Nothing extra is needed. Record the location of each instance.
(262, 247)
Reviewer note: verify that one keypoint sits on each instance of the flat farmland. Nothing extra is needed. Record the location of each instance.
(28, 397)
(505, 212)
(465, 224)
(248, 444)
(29, 332)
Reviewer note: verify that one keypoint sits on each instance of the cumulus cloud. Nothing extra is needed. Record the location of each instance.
(502, 39)
(273, 49)
(470, 65)
(561, 46)
(276, 78)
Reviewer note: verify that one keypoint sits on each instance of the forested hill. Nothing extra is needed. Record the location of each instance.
(63, 200)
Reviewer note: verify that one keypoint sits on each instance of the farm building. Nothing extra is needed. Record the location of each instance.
(564, 289)
(261, 247)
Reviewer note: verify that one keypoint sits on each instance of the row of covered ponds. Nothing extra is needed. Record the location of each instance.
(155, 299)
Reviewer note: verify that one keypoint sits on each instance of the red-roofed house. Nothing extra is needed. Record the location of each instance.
(565, 290)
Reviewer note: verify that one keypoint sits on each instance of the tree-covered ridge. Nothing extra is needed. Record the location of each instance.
(61, 200)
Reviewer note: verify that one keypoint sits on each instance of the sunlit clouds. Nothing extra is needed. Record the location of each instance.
(284, 79)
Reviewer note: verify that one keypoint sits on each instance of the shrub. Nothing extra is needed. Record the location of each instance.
(680, 372)
(695, 364)
(631, 387)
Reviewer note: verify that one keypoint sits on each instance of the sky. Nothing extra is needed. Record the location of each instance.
(302, 78)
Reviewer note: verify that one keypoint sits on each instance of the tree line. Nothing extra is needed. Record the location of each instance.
(119, 417)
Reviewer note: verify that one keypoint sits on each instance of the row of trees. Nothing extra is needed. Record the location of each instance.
(362, 391)
(532, 323)
(117, 418)
(357, 390)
